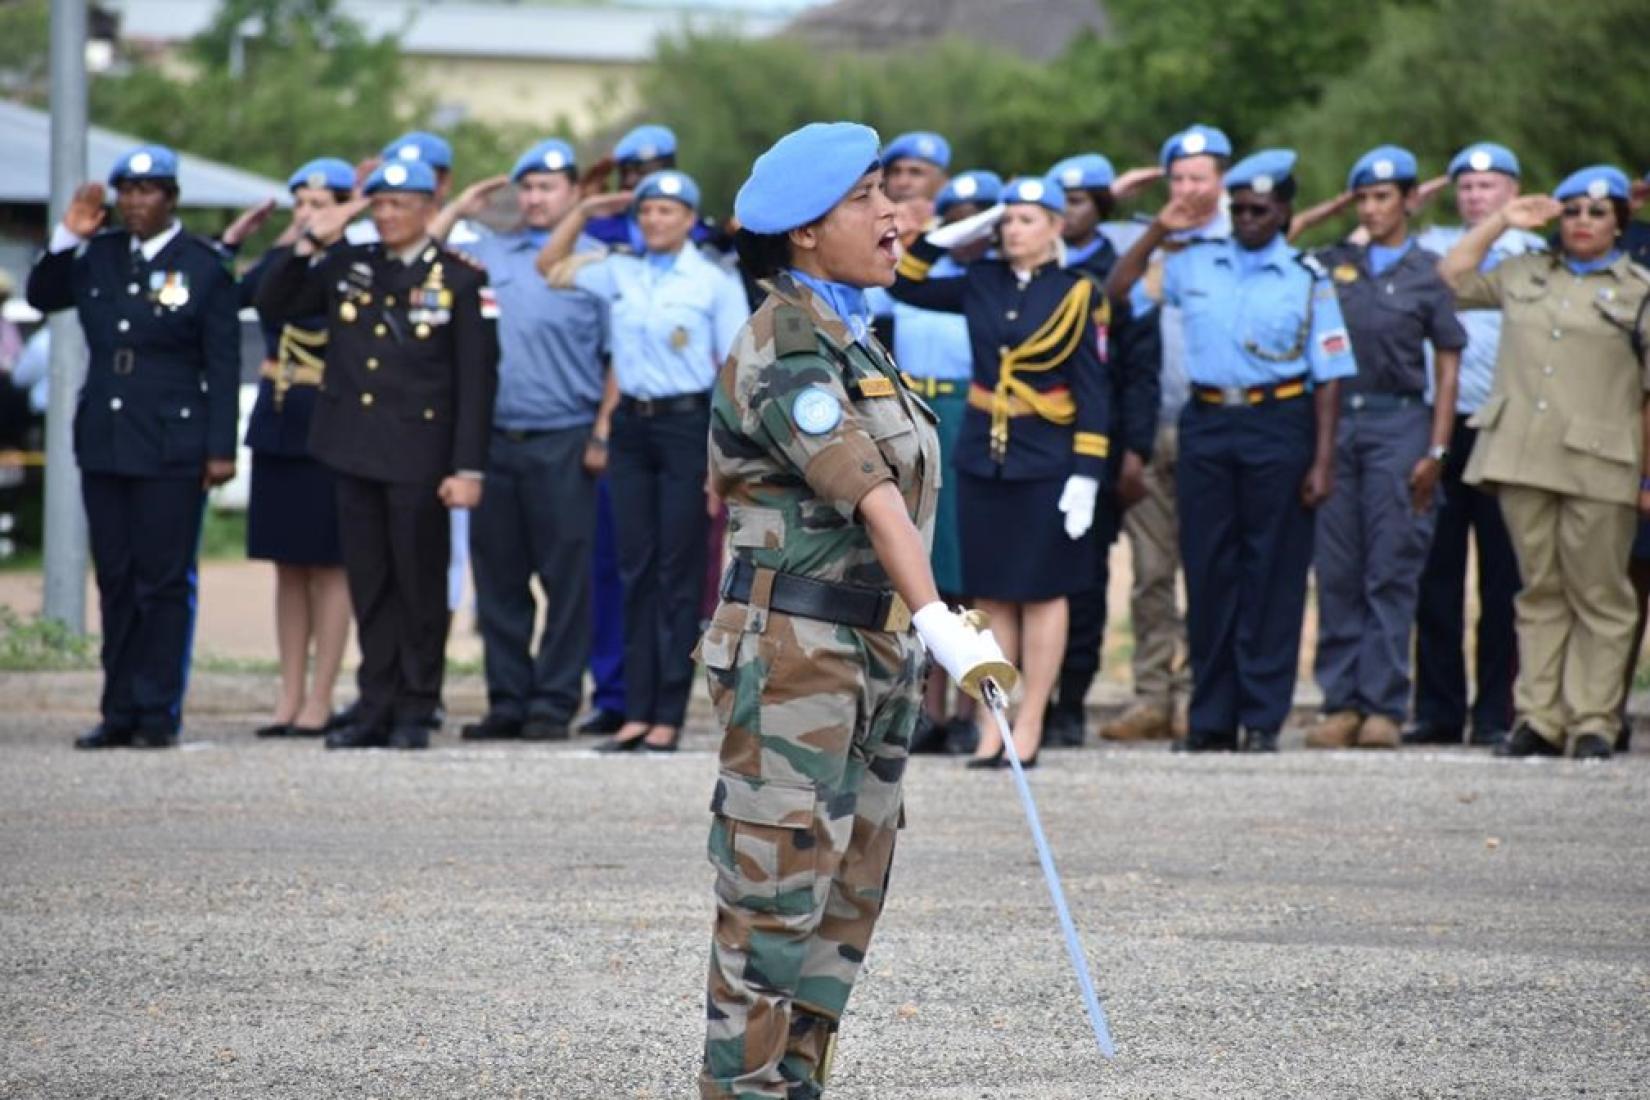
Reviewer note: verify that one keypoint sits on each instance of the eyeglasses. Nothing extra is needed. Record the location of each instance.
(1249, 209)
(1596, 210)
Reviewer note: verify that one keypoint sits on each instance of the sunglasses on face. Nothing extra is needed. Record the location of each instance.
(1596, 211)
(1249, 209)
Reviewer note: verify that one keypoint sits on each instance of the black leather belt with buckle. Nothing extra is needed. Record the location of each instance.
(664, 406)
(827, 601)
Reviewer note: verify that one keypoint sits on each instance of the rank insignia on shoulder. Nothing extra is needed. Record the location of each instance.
(875, 387)
(489, 303)
(816, 411)
(1346, 273)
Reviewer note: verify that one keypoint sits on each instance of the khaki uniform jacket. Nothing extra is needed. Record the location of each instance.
(1564, 413)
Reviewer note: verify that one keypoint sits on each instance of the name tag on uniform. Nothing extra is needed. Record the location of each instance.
(875, 387)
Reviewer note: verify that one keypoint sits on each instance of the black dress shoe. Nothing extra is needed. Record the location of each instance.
(1426, 733)
(670, 746)
(154, 739)
(1488, 737)
(1203, 741)
(307, 731)
(604, 723)
(1260, 741)
(274, 729)
(411, 736)
(494, 727)
(629, 744)
(995, 760)
(928, 738)
(104, 736)
(1524, 741)
(1592, 746)
(1064, 729)
(962, 736)
(357, 737)
(544, 729)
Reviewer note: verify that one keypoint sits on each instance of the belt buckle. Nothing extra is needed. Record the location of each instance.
(898, 618)
(645, 406)
(1234, 397)
(125, 360)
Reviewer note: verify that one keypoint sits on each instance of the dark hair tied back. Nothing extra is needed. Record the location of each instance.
(762, 255)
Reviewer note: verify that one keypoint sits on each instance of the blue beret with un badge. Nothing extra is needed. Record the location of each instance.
(645, 143)
(401, 175)
(549, 155)
(146, 162)
(1601, 181)
(1262, 172)
(1037, 190)
(1085, 171)
(977, 185)
(420, 145)
(669, 184)
(324, 173)
(1484, 156)
(918, 145)
(1196, 140)
(805, 174)
(1382, 164)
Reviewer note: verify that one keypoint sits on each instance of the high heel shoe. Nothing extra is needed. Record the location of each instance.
(670, 746)
(627, 744)
(995, 760)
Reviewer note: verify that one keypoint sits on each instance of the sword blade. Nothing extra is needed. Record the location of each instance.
(998, 705)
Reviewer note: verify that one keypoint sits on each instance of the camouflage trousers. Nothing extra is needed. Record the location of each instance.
(817, 722)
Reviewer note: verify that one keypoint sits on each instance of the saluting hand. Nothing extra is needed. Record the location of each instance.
(593, 180)
(1531, 211)
(1187, 212)
(599, 206)
(328, 224)
(86, 210)
(1135, 180)
(473, 199)
(459, 492)
(1426, 192)
(250, 221)
(1423, 483)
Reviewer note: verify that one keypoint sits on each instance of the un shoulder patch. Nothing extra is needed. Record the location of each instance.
(816, 411)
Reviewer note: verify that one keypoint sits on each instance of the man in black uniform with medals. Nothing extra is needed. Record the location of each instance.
(154, 427)
(405, 408)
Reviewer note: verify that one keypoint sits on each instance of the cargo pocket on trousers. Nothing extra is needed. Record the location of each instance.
(718, 649)
(763, 846)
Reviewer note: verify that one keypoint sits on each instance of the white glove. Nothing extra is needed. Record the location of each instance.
(966, 654)
(1077, 502)
(975, 227)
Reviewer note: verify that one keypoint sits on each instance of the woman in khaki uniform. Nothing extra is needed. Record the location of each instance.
(1562, 441)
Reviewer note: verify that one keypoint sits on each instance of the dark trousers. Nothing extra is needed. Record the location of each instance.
(657, 466)
(145, 536)
(606, 609)
(1440, 615)
(1086, 611)
(1246, 546)
(396, 537)
(537, 518)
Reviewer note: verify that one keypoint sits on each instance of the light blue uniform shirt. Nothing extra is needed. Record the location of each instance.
(1253, 318)
(551, 342)
(928, 343)
(1483, 325)
(672, 325)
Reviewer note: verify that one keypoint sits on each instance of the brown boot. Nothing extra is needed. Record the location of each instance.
(1334, 731)
(1378, 732)
(1141, 722)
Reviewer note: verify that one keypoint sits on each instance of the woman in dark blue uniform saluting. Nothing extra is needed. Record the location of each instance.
(1033, 446)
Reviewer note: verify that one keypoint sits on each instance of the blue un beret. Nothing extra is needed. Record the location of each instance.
(328, 172)
(977, 185)
(549, 155)
(1196, 140)
(146, 162)
(669, 184)
(1085, 170)
(1262, 172)
(645, 143)
(401, 175)
(919, 145)
(1484, 156)
(1039, 190)
(1601, 181)
(420, 145)
(1382, 164)
(804, 175)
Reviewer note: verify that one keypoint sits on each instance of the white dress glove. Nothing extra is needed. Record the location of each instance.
(975, 227)
(1077, 502)
(966, 654)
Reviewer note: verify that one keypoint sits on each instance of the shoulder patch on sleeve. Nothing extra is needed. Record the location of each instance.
(1334, 342)
(816, 411)
(793, 332)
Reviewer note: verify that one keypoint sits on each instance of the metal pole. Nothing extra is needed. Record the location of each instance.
(65, 520)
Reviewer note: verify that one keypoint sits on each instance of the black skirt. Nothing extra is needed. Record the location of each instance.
(292, 516)
(1014, 544)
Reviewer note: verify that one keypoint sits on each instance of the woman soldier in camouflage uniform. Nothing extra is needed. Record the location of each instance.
(830, 469)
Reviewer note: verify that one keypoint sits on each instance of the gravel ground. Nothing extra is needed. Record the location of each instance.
(246, 919)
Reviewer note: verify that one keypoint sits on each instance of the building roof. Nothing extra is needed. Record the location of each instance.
(25, 170)
(548, 32)
(1037, 29)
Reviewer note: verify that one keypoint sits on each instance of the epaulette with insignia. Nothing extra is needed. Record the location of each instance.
(466, 258)
(1312, 265)
(220, 251)
(793, 331)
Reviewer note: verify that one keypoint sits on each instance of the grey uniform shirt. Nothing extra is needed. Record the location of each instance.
(1392, 317)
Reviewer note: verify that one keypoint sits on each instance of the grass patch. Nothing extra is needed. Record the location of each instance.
(42, 645)
(223, 536)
